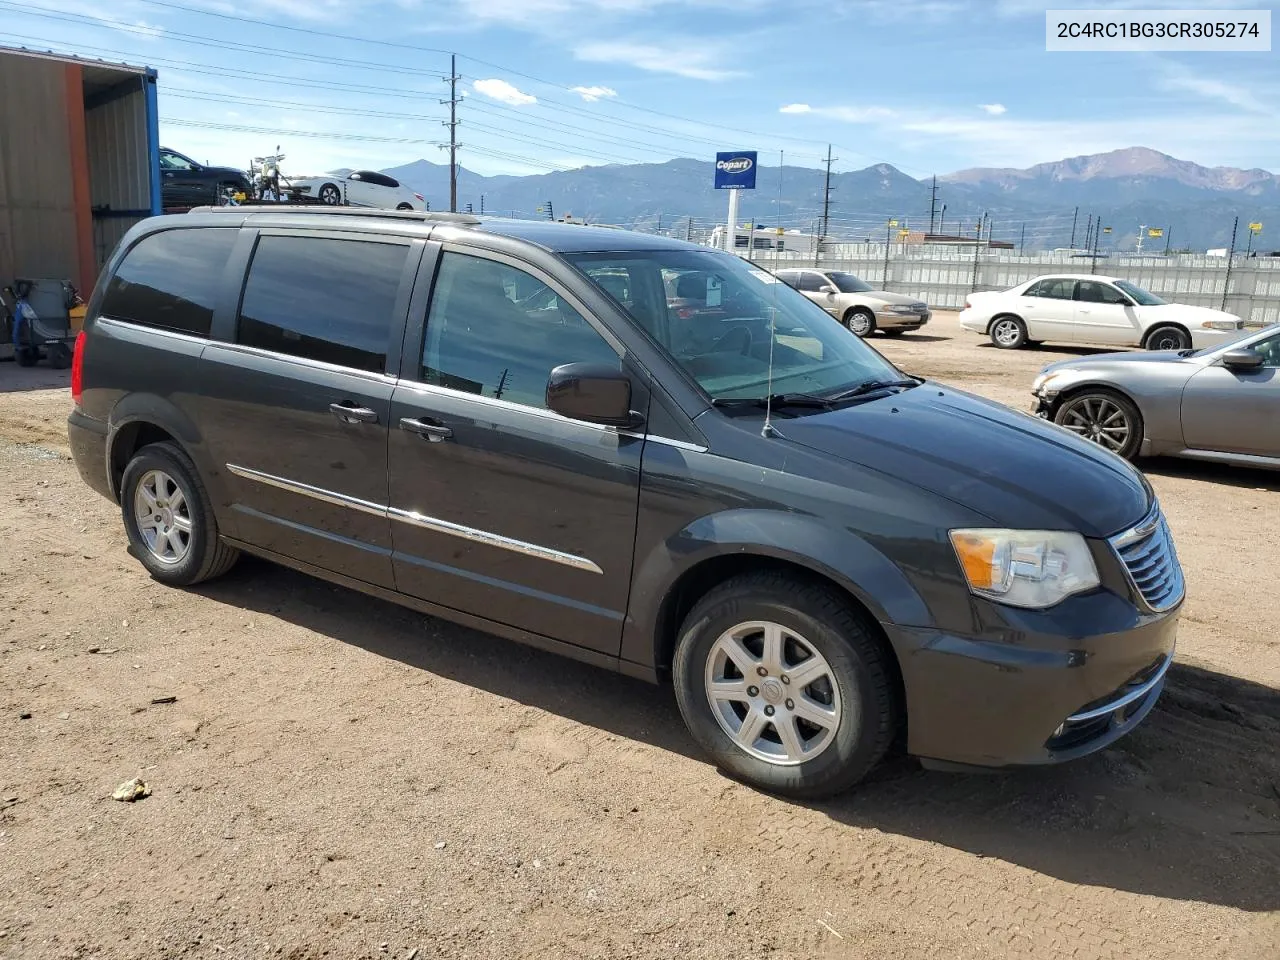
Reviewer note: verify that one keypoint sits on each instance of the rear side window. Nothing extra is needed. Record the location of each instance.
(170, 280)
(322, 299)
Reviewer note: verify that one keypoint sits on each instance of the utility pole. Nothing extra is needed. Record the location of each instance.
(942, 221)
(688, 230)
(1097, 233)
(482, 204)
(452, 124)
(1142, 232)
(1168, 235)
(977, 247)
(1231, 256)
(1023, 242)
(933, 202)
(887, 232)
(659, 230)
(826, 198)
(1088, 234)
(1074, 216)
(501, 388)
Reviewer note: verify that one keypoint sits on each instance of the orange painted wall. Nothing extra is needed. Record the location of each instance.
(87, 272)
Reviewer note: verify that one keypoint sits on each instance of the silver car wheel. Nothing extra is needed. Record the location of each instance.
(860, 323)
(163, 517)
(329, 195)
(773, 693)
(1006, 332)
(1098, 419)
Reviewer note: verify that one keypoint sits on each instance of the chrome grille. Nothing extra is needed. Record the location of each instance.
(1151, 561)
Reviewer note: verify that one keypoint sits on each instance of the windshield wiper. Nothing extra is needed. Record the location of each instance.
(774, 400)
(871, 386)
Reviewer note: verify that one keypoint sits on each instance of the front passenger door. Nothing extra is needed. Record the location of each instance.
(499, 507)
(1235, 411)
(1105, 315)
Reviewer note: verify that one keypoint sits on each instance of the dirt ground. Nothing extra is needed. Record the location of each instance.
(339, 777)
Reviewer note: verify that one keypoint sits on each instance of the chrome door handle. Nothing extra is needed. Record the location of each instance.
(433, 432)
(350, 413)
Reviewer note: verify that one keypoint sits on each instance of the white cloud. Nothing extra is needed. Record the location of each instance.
(694, 61)
(592, 94)
(845, 114)
(995, 109)
(1175, 78)
(795, 108)
(504, 92)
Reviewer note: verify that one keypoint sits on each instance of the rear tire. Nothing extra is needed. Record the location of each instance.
(893, 333)
(27, 356)
(1168, 338)
(329, 195)
(59, 356)
(1008, 333)
(830, 665)
(169, 519)
(405, 206)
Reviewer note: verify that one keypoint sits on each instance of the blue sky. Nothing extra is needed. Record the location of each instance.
(930, 86)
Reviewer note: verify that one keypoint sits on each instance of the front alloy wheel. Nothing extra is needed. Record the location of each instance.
(1107, 419)
(772, 692)
(786, 684)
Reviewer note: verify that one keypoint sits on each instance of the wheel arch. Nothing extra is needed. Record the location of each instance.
(141, 419)
(1002, 315)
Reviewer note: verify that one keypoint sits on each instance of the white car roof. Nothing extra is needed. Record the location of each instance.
(1072, 276)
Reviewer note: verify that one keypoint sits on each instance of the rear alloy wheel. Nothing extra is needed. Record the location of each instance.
(169, 519)
(1008, 333)
(860, 322)
(1107, 419)
(330, 196)
(785, 685)
(1168, 338)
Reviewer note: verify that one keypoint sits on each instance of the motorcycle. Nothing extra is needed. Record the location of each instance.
(266, 176)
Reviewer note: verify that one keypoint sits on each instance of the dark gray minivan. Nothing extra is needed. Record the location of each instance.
(517, 426)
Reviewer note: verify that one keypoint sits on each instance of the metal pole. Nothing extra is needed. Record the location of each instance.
(942, 220)
(885, 281)
(933, 202)
(731, 230)
(977, 246)
(1168, 235)
(826, 197)
(452, 124)
(1073, 227)
(1231, 255)
(1022, 243)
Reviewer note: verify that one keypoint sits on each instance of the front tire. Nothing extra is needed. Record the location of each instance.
(405, 206)
(330, 196)
(169, 519)
(785, 685)
(1104, 417)
(861, 322)
(1168, 338)
(1008, 333)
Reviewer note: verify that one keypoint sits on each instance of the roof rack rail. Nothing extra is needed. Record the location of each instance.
(465, 219)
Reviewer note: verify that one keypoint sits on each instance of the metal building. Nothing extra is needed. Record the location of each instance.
(79, 162)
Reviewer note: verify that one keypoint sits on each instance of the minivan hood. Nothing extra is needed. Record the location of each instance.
(1020, 472)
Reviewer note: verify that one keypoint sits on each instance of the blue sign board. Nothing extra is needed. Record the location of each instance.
(736, 169)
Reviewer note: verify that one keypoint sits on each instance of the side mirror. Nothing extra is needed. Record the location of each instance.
(594, 392)
(1243, 360)
(828, 289)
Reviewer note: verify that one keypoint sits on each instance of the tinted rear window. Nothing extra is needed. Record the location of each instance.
(170, 280)
(323, 299)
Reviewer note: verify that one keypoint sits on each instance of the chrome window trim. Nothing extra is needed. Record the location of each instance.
(419, 520)
(296, 360)
(162, 331)
(1121, 702)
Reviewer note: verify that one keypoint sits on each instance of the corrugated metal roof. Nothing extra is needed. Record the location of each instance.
(98, 74)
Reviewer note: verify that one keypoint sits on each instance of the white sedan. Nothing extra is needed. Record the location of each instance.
(1085, 308)
(359, 188)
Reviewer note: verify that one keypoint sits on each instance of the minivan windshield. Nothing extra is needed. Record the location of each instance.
(848, 283)
(722, 318)
(1144, 298)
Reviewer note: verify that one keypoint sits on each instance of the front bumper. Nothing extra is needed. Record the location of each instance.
(902, 321)
(1046, 687)
(1211, 338)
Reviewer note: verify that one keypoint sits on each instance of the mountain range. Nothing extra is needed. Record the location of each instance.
(1127, 188)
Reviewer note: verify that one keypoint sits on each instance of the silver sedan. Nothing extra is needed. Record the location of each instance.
(1220, 403)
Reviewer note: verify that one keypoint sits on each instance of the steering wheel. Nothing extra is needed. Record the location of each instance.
(739, 337)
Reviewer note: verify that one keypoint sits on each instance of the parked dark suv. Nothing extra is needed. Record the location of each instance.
(505, 424)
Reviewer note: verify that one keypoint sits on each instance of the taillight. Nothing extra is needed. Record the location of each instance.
(77, 369)
(968, 305)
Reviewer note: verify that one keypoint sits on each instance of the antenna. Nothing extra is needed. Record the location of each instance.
(767, 430)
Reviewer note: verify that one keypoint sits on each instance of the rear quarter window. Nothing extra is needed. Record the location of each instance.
(169, 280)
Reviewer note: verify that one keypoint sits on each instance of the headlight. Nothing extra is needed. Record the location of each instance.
(1220, 325)
(1042, 381)
(1025, 568)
